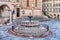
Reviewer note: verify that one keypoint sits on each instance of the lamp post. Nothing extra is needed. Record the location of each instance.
(32, 8)
(11, 18)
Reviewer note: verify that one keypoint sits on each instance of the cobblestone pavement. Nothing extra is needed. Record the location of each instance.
(54, 26)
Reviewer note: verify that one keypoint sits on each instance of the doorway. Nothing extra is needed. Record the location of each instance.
(58, 16)
(18, 12)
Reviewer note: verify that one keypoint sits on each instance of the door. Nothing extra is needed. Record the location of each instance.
(18, 12)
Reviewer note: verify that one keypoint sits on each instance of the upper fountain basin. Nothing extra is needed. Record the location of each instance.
(27, 23)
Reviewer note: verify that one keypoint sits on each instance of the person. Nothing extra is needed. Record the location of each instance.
(12, 27)
(58, 16)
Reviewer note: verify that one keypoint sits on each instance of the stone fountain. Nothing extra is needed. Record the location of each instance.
(31, 28)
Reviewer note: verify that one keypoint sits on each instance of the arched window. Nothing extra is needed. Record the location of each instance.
(27, 3)
(35, 3)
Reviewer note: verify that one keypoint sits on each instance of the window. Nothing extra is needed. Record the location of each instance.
(59, 10)
(44, 5)
(35, 3)
(50, 10)
(27, 3)
(55, 5)
(55, 0)
(17, 0)
(56, 10)
(47, 10)
(8, 0)
(50, 5)
(50, 0)
(47, 5)
(59, 4)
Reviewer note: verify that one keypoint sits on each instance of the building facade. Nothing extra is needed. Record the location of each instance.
(25, 7)
(51, 8)
(35, 7)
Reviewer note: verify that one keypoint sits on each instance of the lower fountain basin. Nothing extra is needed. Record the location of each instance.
(31, 28)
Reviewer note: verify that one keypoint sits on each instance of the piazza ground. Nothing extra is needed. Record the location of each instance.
(54, 26)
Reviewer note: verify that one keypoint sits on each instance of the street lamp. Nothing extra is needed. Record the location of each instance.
(11, 17)
(32, 8)
(12, 20)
